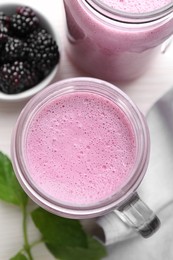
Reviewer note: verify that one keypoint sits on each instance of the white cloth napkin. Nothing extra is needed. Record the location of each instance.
(115, 230)
(156, 190)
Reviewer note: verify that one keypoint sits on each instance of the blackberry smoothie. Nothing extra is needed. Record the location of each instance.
(116, 40)
(136, 6)
(80, 149)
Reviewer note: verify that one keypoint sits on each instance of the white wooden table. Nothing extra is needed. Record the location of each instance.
(144, 91)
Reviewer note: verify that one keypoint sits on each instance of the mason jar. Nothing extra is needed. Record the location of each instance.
(80, 149)
(115, 44)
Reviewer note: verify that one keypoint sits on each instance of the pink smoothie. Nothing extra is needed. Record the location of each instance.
(80, 149)
(111, 50)
(136, 6)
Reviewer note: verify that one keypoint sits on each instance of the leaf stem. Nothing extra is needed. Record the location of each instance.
(36, 243)
(27, 246)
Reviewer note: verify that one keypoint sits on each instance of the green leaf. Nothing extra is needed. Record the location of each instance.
(19, 256)
(59, 231)
(65, 238)
(10, 189)
(95, 251)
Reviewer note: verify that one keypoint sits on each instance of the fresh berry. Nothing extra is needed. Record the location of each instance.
(3, 28)
(15, 49)
(28, 52)
(5, 19)
(17, 77)
(3, 40)
(43, 51)
(24, 21)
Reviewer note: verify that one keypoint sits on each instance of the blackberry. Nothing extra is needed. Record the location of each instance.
(5, 19)
(43, 51)
(3, 28)
(24, 21)
(4, 23)
(17, 77)
(15, 49)
(28, 52)
(3, 40)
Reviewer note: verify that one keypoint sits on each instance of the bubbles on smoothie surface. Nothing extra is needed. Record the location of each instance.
(136, 6)
(86, 148)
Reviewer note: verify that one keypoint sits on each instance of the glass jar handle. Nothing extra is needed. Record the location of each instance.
(138, 215)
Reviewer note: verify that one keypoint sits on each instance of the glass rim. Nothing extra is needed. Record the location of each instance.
(127, 17)
(21, 170)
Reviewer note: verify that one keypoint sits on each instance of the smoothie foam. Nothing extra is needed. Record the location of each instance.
(80, 149)
(136, 6)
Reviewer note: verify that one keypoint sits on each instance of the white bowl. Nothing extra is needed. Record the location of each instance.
(27, 94)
